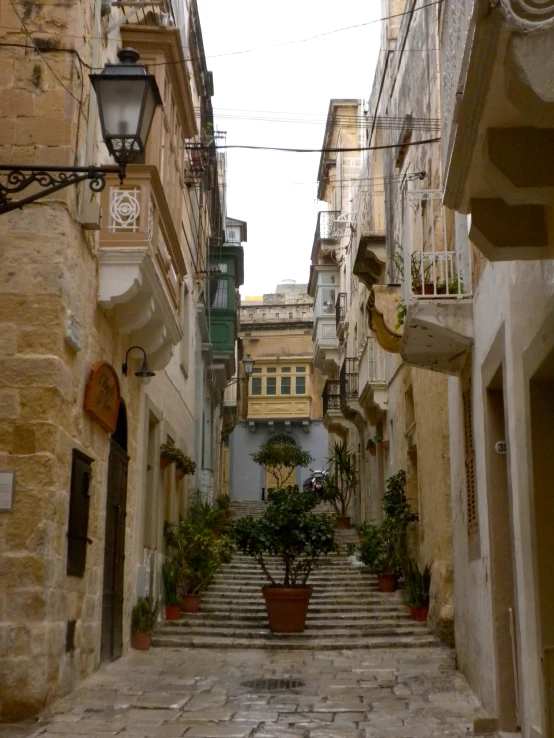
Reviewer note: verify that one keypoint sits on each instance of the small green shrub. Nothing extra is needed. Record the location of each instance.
(145, 615)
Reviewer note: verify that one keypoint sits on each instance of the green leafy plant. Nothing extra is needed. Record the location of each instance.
(383, 548)
(291, 531)
(342, 481)
(170, 578)
(215, 518)
(417, 584)
(196, 554)
(180, 459)
(280, 460)
(145, 615)
(401, 312)
(372, 442)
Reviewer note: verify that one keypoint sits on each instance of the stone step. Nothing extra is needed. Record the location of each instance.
(322, 620)
(264, 632)
(319, 595)
(345, 588)
(366, 626)
(295, 642)
(314, 608)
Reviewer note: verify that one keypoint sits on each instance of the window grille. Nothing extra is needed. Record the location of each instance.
(79, 498)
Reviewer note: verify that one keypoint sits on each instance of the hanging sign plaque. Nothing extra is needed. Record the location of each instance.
(102, 395)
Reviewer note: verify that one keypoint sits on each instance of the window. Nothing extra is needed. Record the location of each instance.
(79, 499)
(257, 370)
(300, 368)
(278, 381)
(219, 288)
(285, 385)
(256, 385)
(285, 369)
(271, 386)
(300, 385)
(271, 370)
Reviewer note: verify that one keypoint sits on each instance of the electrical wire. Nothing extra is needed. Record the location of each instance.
(261, 48)
(320, 151)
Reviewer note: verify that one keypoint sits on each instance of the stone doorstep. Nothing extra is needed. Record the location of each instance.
(275, 643)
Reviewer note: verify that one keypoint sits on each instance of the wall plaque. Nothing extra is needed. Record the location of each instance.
(7, 487)
(102, 395)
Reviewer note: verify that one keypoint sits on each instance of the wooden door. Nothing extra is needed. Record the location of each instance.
(114, 554)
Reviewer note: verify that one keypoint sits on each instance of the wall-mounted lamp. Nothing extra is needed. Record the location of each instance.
(248, 364)
(145, 374)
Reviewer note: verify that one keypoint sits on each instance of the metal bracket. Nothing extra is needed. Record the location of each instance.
(50, 179)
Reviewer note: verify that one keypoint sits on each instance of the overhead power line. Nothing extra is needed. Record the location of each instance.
(250, 51)
(316, 151)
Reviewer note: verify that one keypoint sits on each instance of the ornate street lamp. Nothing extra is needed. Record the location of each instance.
(127, 98)
(248, 364)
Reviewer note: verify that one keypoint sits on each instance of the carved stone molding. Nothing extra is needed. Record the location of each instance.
(529, 14)
(130, 284)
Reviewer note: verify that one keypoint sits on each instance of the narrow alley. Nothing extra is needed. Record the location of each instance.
(205, 693)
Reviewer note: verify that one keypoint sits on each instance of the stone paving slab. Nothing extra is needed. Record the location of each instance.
(196, 693)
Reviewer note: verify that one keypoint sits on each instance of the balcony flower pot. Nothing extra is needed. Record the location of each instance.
(428, 289)
(190, 603)
(419, 613)
(385, 445)
(180, 472)
(287, 608)
(141, 641)
(342, 522)
(165, 461)
(372, 450)
(172, 612)
(387, 582)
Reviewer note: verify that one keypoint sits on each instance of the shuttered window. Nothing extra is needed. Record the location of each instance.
(471, 482)
(77, 532)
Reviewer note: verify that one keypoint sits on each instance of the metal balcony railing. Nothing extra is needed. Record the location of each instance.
(349, 380)
(331, 396)
(432, 264)
(325, 228)
(340, 308)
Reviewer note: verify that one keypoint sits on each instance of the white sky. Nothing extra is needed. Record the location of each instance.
(276, 192)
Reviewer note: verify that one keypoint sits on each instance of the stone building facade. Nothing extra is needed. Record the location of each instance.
(444, 262)
(83, 278)
(282, 400)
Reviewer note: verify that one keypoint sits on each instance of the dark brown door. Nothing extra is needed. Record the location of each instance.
(114, 554)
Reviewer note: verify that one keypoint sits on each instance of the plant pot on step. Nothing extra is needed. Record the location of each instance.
(419, 613)
(342, 522)
(172, 612)
(190, 603)
(141, 641)
(387, 582)
(287, 608)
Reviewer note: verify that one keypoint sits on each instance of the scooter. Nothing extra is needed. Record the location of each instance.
(315, 482)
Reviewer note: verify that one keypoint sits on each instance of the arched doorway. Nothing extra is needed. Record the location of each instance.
(114, 542)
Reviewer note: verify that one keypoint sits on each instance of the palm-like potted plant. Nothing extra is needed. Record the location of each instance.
(170, 578)
(290, 531)
(143, 621)
(341, 483)
(418, 585)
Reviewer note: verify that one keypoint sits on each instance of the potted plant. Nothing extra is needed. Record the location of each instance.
(418, 585)
(298, 537)
(197, 556)
(341, 482)
(170, 454)
(171, 599)
(143, 621)
(372, 444)
(280, 460)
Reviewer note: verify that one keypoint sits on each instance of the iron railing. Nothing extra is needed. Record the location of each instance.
(325, 228)
(433, 263)
(349, 380)
(340, 308)
(331, 396)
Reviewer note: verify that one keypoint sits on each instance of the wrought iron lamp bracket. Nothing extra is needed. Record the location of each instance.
(49, 179)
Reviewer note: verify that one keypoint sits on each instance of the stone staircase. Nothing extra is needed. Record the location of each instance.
(346, 611)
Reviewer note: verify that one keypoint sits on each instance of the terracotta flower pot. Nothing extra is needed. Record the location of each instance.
(420, 613)
(372, 450)
(172, 612)
(385, 445)
(165, 461)
(141, 641)
(287, 608)
(387, 582)
(190, 603)
(179, 473)
(342, 522)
